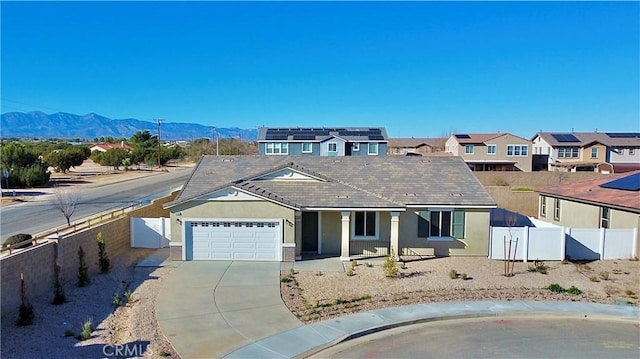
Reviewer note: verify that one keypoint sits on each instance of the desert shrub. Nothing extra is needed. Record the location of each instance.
(17, 238)
(368, 265)
(538, 266)
(390, 266)
(573, 290)
(103, 258)
(604, 275)
(464, 276)
(556, 288)
(85, 329)
(83, 272)
(285, 280)
(350, 272)
(593, 278)
(453, 274)
(128, 295)
(25, 312)
(116, 301)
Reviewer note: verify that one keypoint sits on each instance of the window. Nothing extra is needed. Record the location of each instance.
(517, 150)
(365, 225)
(605, 216)
(543, 206)
(568, 152)
(468, 149)
(356, 146)
(441, 224)
(277, 148)
(556, 209)
(594, 152)
(632, 151)
(373, 148)
(333, 147)
(306, 147)
(491, 149)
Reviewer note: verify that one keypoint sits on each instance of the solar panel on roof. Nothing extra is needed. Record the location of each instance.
(624, 135)
(462, 136)
(304, 137)
(565, 137)
(629, 183)
(276, 136)
(376, 137)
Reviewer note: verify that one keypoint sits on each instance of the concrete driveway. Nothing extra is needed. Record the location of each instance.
(207, 309)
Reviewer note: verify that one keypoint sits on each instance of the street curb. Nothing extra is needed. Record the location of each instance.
(316, 337)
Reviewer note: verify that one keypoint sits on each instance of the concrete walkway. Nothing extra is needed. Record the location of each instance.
(309, 339)
(207, 309)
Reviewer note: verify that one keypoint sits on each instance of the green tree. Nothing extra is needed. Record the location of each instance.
(24, 167)
(112, 157)
(63, 160)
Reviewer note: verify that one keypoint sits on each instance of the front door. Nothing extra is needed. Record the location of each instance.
(310, 232)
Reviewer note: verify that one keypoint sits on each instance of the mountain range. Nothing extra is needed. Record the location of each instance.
(62, 125)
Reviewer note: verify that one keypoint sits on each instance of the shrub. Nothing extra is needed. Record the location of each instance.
(103, 258)
(604, 275)
(83, 272)
(86, 329)
(128, 296)
(556, 288)
(593, 278)
(538, 266)
(453, 274)
(292, 271)
(629, 292)
(25, 313)
(58, 297)
(464, 276)
(573, 290)
(17, 238)
(350, 272)
(116, 301)
(368, 265)
(285, 280)
(354, 263)
(390, 266)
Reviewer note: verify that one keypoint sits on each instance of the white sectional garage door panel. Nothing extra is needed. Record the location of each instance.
(258, 241)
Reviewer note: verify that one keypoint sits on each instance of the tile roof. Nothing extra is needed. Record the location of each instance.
(591, 191)
(587, 138)
(482, 137)
(416, 142)
(351, 181)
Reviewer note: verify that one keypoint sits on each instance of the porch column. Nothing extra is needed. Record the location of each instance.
(395, 227)
(298, 234)
(344, 254)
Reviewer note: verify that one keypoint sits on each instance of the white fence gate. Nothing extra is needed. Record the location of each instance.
(557, 243)
(150, 232)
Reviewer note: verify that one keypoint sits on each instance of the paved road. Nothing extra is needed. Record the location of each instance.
(504, 337)
(38, 216)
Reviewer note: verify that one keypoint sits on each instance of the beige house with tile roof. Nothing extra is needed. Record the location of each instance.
(282, 208)
(421, 146)
(492, 151)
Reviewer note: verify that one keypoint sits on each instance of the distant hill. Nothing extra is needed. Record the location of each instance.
(65, 125)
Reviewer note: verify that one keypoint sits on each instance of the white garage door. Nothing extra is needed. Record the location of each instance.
(237, 240)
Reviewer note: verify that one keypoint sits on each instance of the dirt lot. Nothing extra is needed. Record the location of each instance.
(314, 296)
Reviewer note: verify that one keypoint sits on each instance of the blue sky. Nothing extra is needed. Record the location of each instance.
(419, 69)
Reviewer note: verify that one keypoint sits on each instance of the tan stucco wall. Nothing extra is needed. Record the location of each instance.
(480, 151)
(331, 232)
(231, 209)
(602, 153)
(476, 241)
(582, 215)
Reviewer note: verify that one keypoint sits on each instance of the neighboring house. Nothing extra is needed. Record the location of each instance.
(491, 151)
(608, 202)
(353, 141)
(104, 147)
(281, 209)
(419, 146)
(605, 152)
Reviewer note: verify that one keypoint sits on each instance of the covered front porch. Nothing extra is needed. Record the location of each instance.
(349, 234)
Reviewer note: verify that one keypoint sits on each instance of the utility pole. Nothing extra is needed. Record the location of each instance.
(159, 123)
(217, 139)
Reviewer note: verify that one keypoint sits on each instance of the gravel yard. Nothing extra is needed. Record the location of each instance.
(314, 296)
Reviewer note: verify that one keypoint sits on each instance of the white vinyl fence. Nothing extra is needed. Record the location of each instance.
(150, 232)
(557, 243)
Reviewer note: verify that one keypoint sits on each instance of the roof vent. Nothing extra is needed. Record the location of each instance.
(411, 194)
(425, 161)
(342, 196)
(455, 194)
(227, 160)
(337, 160)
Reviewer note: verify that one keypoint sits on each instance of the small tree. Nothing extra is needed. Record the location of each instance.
(390, 266)
(103, 260)
(66, 201)
(25, 314)
(83, 272)
(59, 296)
(510, 256)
